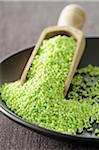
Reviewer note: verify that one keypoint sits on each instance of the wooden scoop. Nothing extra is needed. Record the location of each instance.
(70, 21)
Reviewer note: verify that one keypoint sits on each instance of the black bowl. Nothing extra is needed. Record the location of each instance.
(11, 69)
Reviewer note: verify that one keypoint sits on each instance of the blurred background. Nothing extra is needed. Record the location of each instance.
(21, 22)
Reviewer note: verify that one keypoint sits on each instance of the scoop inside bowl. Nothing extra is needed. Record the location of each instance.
(11, 69)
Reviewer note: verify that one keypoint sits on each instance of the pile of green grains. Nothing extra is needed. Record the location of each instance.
(41, 99)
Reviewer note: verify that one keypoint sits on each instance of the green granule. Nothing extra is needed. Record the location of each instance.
(97, 132)
(41, 99)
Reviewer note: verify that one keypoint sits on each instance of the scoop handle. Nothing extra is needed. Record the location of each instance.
(72, 15)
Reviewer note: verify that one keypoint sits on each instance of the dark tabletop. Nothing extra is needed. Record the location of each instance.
(20, 26)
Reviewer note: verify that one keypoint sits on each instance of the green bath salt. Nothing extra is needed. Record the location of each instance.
(41, 99)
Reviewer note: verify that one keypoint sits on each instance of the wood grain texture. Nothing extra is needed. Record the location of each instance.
(20, 26)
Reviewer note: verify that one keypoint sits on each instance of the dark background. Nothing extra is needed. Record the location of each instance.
(20, 26)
